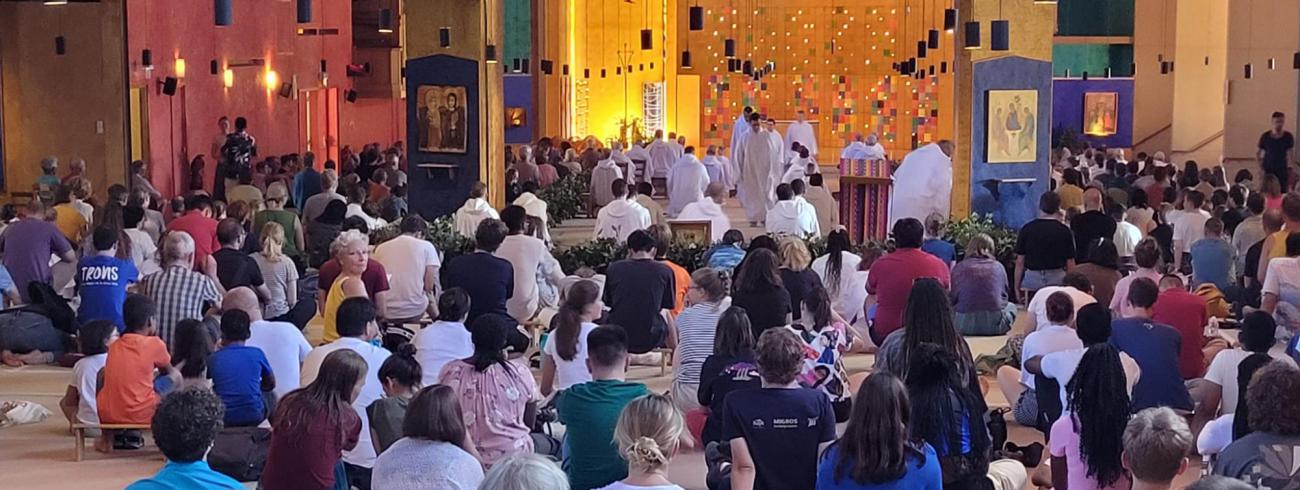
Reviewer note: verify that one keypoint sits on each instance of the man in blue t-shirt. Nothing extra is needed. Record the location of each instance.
(240, 374)
(1154, 346)
(776, 432)
(102, 280)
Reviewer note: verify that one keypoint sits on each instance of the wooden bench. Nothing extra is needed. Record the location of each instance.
(79, 434)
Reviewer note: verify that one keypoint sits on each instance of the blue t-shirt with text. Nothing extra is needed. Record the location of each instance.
(101, 283)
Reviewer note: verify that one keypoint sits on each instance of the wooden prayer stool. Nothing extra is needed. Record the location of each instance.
(79, 435)
(661, 186)
(665, 359)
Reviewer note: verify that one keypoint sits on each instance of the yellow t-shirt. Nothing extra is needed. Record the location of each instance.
(333, 299)
(70, 222)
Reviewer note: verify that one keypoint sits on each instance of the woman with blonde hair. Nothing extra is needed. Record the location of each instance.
(796, 273)
(352, 250)
(648, 434)
(278, 272)
(979, 291)
(697, 325)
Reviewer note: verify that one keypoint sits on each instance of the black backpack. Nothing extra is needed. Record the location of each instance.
(46, 302)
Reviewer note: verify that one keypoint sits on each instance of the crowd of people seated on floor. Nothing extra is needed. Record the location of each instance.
(196, 320)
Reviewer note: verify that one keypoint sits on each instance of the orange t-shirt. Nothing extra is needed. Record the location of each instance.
(128, 395)
(682, 281)
(377, 192)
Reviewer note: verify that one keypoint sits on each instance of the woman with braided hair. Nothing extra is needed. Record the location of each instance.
(648, 433)
(1087, 440)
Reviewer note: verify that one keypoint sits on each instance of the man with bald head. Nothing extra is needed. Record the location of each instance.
(863, 148)
(284, 345)
(709, 209)
(1091, 226)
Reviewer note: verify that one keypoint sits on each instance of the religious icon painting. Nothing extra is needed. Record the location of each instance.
(442, 118)
(1012, 130)
(1099, 113)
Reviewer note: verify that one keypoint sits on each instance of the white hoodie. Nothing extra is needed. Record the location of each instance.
(707, 210)
(536, 208)
(687, 180)
(602, 177)
(469, 215)
(620, 218)
(792, 218)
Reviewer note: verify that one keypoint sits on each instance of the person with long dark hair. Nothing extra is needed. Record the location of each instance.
(191, 348)
(731, 367)
(759, 290)
(877, 450)
(313, 425)
(948, 413)
(836, 269)
(564, 358)
(400, 374)
(927, 319)
(498, 397)
(1087, 441)
(827, 338)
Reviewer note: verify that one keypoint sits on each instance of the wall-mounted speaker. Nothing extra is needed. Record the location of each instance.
(350, 95)
(444, 37)
(169, 86)
(60, 45)
(548, 67)
(286, 90)
(215, 67)
(146, 58)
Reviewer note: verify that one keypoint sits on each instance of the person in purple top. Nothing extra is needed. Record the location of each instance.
(27, 245)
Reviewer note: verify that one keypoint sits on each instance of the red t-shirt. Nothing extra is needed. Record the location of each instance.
(891, 281)
(305, 450)
(202, 229)
(128, 395)
(1187, 314)
(375, 277)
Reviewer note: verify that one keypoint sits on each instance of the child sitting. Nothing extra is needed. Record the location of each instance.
(78, 403)
(241, 375)
(127, 395)
(400, 375)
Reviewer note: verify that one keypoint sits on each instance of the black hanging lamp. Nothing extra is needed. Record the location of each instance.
(1000, 30)
(1295, 63)
(647, 40)
(686, 59)
(304, 11)
(747, 67)
(933, 41)
(729, 48)
(921, 49)
(971, 39)
(1250, 71)
(385, 21)
(222, 12)
(949, 19)
(697, 18)
(444, 37)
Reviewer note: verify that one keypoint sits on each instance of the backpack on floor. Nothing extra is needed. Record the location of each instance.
(240, 452)
(1215, 304)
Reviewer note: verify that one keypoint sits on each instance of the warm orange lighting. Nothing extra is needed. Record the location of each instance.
(228, 78)
(180, 67)
(272, 79)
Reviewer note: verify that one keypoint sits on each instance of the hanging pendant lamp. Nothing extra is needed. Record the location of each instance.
(647, 40)
(949, 19)
(1000, 30)
(222, 12)
(921, 49)
(385, 21)
(971, 39)
(304, 11)
(686, 59)
(933, 41)
(729, 48)
(697, 18)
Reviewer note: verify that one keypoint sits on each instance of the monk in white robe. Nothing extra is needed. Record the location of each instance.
(791, 217)
(739, 130)
(758, 161)
(800, 168)
(623, 162)
(863, 149)
(678, 143)
(605, 173)
(662, 156)
(686, 182)
(800, 131)
(475, 210)
(923, 183)
(713, 165)
(621, 217)
(640, 158)
(778, 149)
(709, 209)
(828, 210)
(535, 207)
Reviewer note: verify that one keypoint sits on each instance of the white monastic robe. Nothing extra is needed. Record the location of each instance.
(686, 183)
(469, 216)
(620, 218)
(662, 157)
(792, 218)
(758, 161)
(641, 160)
(859, 150)
(802, 132)
(739, 130)
(922, 185)
(622, 160)
(799, 170)
(678, 149)
(828, 211)
(713, 166)
(707, 210)
(602, 177)
(730, 173)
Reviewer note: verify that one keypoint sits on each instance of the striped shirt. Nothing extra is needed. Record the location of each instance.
(179, 294)
(696, 326)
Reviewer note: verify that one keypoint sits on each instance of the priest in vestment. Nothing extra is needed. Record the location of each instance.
(791, 217)
(758, 160)
(686, 182)
(605, 173)
(738, 131)
(923, 183)
(709, 209)
(662, 156)
(863, 149)
(800, 131)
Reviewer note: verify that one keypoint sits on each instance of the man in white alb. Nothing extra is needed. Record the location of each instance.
(686, 182)
(923, 183)
(605, 173)
(791, 217)
(863, 149)
(709, 209)
(713, 165)
(739, 130)
(662, 156)
(800, 131)
(758, 160)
